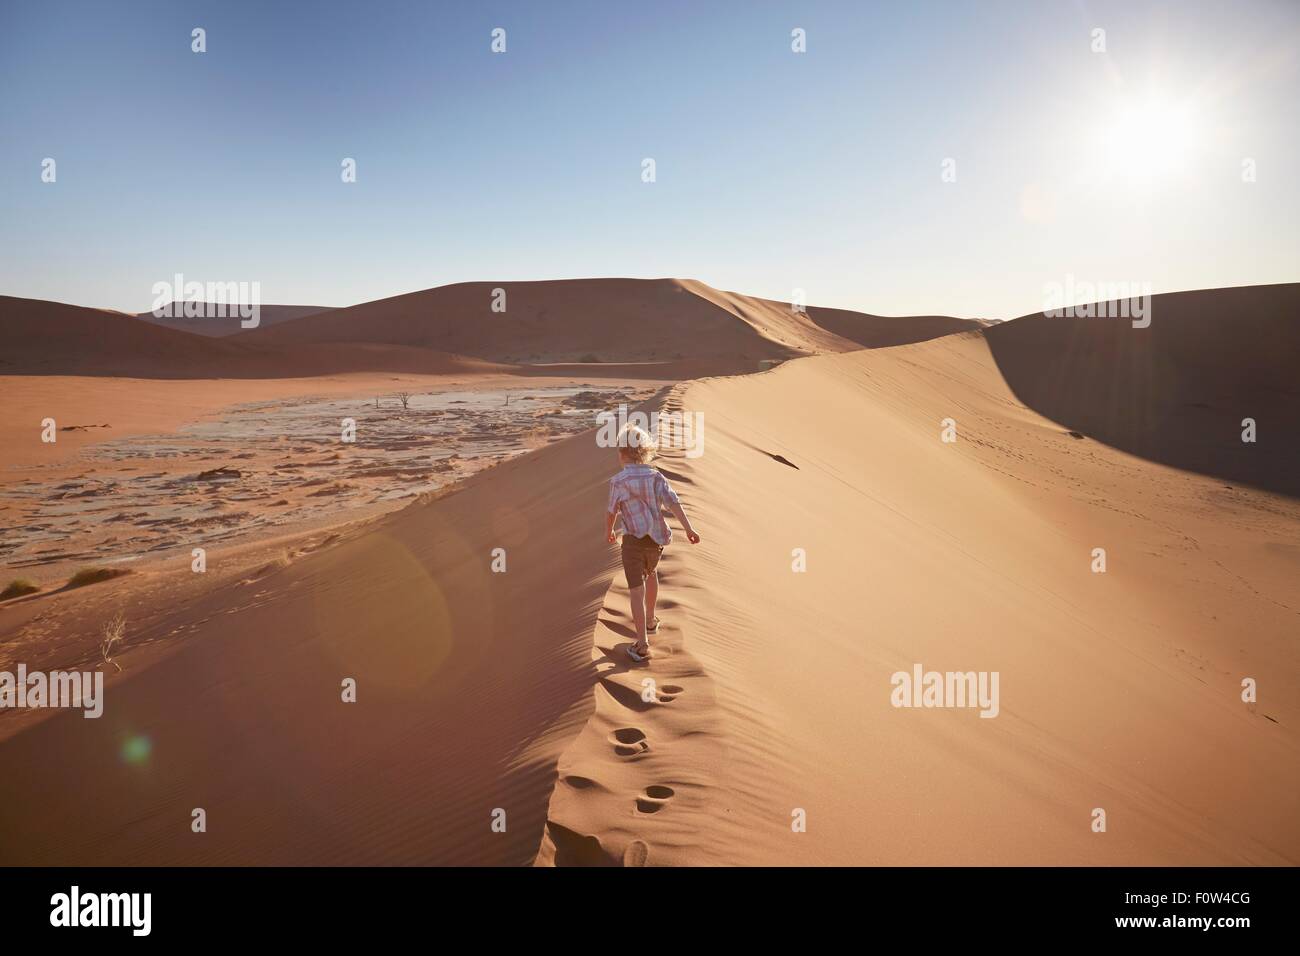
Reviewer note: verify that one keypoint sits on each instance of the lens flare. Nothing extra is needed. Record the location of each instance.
(137, 749)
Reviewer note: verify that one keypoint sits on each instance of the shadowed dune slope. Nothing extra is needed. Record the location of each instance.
(469, 683)
(882, 331)
(1118, 691)
(1177, 391)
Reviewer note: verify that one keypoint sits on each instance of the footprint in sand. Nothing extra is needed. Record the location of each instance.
(668, 692)
(628, 742)
(636, 854)
(654, 799)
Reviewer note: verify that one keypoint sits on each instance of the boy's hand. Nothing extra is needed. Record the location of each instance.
(692, 537)
(610, 537)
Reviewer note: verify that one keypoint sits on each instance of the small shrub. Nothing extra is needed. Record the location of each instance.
(17, 588)
(113, 632)
(94, 576)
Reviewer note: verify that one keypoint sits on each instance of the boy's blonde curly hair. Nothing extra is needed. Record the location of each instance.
(635, 444)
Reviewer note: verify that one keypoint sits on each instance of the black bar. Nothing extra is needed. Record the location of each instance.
(974, 904)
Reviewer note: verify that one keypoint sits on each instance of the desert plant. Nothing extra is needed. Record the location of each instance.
(93, 576)
(17, 588)
(114, 631)
(405, 399)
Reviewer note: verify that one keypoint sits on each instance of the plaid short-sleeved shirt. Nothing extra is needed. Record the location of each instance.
(639, 495)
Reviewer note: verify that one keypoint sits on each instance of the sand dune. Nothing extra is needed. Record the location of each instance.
(613, 320)
(51, 338)
(1177, 391)
(1118, 690)
(469, 684)
(216, 326)
(661, 329)
(881, 331)
(771, 691)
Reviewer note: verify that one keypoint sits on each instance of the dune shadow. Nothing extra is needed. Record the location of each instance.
(1179, 392)
(574, 849)
(624, 630)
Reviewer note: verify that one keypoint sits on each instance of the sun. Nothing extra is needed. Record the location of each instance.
(1149, 140)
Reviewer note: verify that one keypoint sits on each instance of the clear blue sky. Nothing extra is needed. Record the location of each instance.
(775, 170)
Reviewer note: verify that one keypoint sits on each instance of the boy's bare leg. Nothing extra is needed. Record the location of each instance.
(651, 595)
(638, 614)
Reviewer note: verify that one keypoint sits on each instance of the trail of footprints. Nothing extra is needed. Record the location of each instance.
(668, 693)
(630, 743)
(604, 814)
(628, 701)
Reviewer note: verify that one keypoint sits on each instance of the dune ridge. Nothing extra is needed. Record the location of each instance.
(1119, 690)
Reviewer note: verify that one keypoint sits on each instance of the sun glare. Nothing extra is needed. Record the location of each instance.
(1148, 140)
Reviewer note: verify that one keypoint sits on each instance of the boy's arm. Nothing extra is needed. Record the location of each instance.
(679, 513)
(670, 499)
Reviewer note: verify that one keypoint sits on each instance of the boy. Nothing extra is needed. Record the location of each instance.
(639, 494)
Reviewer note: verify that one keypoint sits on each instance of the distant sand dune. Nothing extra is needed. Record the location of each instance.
(51, 338)
(217, 326)
(615, 320)
(661, 328)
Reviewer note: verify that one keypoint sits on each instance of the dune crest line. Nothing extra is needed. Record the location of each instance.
(634, 785)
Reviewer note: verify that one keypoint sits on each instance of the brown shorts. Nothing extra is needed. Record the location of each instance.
(640, 556)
